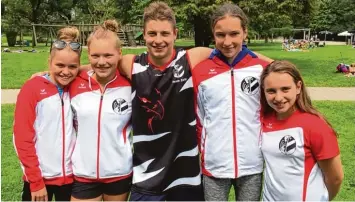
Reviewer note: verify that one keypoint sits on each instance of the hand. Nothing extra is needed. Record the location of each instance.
(39, 74)
(40, 195)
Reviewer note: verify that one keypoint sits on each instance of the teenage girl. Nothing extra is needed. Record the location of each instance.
(300, 148)
(101, 101)
(44, 135)
(227, 90)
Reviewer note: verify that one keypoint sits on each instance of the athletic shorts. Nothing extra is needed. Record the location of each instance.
(90, 190)
(60, 193)
(186, 193)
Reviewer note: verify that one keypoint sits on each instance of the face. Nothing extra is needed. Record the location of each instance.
(281, 93)
(159, 36)
(104, 57)
(229, 35)
(64, 66)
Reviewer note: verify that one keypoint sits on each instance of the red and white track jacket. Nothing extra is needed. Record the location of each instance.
(103, 151)
(44, 135)
(228, 110)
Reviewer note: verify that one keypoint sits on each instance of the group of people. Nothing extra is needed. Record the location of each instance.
(172, 124)
(298, 45)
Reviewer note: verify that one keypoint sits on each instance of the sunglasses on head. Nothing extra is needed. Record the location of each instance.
(59, 44)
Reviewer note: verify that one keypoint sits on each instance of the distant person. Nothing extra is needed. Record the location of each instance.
(44, 134)
(299, 146)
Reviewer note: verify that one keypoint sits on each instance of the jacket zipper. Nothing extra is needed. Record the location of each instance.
(233, 122)
(98, 139)
(99, 130)
(63, 131)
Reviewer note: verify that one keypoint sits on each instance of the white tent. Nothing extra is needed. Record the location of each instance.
(346, 33)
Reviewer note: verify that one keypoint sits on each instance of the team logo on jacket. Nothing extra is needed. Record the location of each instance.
(120, 106)
(250, 85)
(178, 71)
(287, 145)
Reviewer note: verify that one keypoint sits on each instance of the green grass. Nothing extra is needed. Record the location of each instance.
(17, 68)
(340, 114)
(317, 66)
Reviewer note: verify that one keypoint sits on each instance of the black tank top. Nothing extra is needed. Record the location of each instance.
(164, 126)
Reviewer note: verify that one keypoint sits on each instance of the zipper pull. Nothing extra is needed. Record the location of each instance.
(102, 97)
(232, 72)
(62, 101)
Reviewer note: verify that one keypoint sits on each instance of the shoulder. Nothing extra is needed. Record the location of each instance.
(79, 85)
(313, 123)
(198, 54)
(126, 64)
(256, 59)
(203, 65)
(33, 84)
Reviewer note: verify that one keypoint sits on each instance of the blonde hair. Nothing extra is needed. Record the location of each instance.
(159, 11)
(69, 33)
(107, 29)
(303, 100)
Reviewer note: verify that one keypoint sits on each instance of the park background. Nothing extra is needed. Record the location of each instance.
(271, 21)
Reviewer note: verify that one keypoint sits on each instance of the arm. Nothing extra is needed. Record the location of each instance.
(333, 175)
(125, 65)
(198, 54)
(24, 137)
(325, 150)
(263, 57)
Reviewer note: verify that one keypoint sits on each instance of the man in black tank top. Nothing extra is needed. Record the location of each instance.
(165, 144)
(166, 157)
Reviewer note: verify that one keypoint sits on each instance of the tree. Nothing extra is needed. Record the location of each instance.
(94, 10)
(334, 15)
(196, 13)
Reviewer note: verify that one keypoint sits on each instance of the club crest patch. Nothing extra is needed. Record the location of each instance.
(287, 145)
(250, 85)
(120, 106)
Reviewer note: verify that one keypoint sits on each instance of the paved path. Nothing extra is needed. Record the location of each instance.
(8, 96)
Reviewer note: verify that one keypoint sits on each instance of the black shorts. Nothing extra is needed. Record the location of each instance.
(60, 193)
(183, 193)
(90, 190)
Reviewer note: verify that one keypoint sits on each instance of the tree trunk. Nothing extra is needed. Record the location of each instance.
(266, 39)
(202, 32)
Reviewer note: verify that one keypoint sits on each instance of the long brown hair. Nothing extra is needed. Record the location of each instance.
(303, 100)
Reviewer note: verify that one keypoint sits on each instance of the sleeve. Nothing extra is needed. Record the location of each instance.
(24, 137)
(324, 144)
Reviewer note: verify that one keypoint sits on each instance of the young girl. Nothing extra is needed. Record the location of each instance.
(44, 135)
(101, 101)
(227, 93)
(300, 148)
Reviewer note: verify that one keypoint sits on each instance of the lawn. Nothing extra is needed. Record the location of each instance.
(317, 66)
(340, 114)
